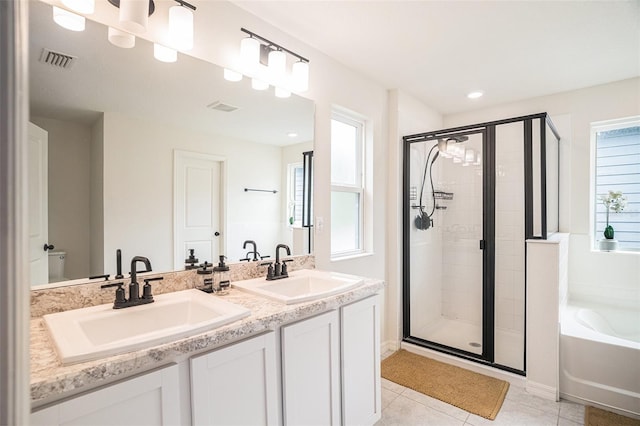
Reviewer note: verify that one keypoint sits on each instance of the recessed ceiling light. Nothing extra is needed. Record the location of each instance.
(475, 95)
(292, 134)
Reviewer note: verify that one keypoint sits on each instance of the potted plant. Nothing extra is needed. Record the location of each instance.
(615, 202)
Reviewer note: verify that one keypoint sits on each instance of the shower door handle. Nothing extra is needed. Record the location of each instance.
(482, 244)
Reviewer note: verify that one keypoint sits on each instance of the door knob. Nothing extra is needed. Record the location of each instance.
(217, 234)
(48, 247)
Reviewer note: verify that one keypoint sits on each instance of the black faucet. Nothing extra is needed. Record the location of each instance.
(279, 269)
(134, 288)
(254, 252)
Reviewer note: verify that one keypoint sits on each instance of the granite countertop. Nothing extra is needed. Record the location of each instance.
(50, 380)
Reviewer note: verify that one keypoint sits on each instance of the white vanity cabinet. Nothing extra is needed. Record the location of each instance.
(311, 371)
(360, 341)
(236, 385)
(331, 367)
(150, 399)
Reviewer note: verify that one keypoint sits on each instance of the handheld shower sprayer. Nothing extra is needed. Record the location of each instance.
(423, 220)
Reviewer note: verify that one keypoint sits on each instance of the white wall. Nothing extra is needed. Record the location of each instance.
(605, 276)
(406, 116)
(69, 189)
(138, 196)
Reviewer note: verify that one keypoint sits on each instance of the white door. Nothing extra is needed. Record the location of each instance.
(38, 204)
(198, 206)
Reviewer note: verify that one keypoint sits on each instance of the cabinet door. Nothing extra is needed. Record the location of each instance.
(150, 399)
(236, 385)
(311, 371)
(361, 362)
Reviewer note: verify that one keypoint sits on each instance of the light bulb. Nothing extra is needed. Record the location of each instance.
(164, 54)
(86, 7)
(231, 75)
(259, 84)
(68, 20)
(250, 51)
(277, 64)
(300, 75)
(134, 15)
(121, 38)
(181, 27)
(282, 93)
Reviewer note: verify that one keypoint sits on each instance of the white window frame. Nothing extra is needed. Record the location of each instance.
(291, 189)
(596, 127)
(359, 186)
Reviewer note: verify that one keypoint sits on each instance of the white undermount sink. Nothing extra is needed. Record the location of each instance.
(91, 333)
(301, 286)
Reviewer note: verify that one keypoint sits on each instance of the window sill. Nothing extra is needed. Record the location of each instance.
(350, 256)
(622, 252)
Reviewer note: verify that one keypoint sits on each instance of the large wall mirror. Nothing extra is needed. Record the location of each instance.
(130, 153)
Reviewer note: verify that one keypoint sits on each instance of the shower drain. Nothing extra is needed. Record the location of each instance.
(475, 344)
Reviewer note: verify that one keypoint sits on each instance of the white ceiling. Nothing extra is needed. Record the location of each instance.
(106, 78)
(438, 51)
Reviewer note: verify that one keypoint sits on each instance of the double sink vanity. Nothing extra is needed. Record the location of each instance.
(299, 350)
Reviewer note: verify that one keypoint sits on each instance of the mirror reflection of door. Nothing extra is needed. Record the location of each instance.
(38, 204)
(198, 204)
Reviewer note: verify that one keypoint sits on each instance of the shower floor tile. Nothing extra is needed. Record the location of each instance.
(461, 335)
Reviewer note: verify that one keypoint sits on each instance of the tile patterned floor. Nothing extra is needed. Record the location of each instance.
(403, 406)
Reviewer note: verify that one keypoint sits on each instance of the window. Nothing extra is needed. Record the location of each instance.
(347, 185)
(295, 187)
(617, 168)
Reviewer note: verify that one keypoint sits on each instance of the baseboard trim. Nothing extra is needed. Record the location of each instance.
(543, 391)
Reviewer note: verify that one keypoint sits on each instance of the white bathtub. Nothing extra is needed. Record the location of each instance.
(600, 356)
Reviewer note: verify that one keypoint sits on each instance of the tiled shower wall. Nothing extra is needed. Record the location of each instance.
(461, 233)
(510, 245)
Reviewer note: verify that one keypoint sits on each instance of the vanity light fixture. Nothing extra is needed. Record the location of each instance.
(263, 60)
(250, 51)
(68, 20)
(181, 25)
(277, 64)
(134, 14)
(300, 74)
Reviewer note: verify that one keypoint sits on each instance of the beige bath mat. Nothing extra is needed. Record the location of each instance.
(596, 417)
(473, 392)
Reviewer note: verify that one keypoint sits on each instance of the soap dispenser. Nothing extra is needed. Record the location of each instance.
(207, 281)
(192, 261)
(221, 279)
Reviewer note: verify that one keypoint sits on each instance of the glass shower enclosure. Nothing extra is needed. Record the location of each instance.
(472, 196)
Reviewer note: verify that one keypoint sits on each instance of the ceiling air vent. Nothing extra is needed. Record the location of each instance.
(220, 106)
(57, 59)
